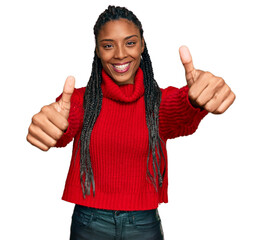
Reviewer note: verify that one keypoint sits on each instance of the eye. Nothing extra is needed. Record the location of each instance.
(130, 43)
(107, 46)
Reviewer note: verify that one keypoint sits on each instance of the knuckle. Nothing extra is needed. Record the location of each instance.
(200, 102)
(28, 138)
(52, 143)
(36, 119)
(220, 111)
(209, 108)
(215, 97)
(220, 82)
(58, 135)
(192, 95)
(30, 129)
(208, 74)
(227, 90)
(45, 109)
(64, 125)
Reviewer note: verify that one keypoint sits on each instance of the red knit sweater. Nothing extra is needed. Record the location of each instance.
(119, 144)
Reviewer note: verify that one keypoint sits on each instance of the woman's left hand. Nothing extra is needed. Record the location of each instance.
(206, 90)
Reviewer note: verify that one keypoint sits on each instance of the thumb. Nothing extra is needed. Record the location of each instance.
(187, 61)
(64, 102)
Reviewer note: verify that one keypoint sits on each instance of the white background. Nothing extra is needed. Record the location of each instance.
(215, 180)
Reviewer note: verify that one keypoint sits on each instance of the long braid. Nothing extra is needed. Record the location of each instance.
(92, 105)
(152, 103)
(93, 102)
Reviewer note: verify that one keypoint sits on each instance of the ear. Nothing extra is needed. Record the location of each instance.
(97, 52)
(143, 45)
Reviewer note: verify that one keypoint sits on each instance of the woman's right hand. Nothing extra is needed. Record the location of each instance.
(48, 126)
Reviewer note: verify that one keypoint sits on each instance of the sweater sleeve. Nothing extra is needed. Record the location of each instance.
(75, 118)
(177, 117)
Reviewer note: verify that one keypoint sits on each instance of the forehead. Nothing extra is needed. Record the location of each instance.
(117, 29)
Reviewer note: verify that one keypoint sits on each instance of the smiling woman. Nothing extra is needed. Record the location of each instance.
(120, 123)
(119, 47)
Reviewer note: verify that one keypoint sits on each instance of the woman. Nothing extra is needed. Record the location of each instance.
(120, 124)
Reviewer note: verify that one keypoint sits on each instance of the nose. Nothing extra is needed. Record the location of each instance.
(120, 52)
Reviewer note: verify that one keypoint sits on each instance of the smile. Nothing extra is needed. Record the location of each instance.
(121, 68)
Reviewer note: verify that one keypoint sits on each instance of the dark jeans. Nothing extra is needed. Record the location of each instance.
(97, 224)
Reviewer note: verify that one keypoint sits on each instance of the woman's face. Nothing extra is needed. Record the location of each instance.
(119, 46)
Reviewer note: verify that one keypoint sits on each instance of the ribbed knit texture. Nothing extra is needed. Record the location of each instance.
(119, 144)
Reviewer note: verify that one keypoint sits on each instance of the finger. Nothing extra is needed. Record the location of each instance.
(198, 87)
(217, 99)
(68, 90)
(48, 126)
(37, 143)
(226, 103)
(187, 62)
(216, 89)
(53, 120)
(186, 59)
(41, 136)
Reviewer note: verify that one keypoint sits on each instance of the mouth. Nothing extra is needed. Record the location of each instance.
(121, 68)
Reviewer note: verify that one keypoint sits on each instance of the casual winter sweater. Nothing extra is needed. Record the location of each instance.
(119, 144)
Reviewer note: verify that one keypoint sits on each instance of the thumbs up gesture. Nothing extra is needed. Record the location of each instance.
(48, 126)
(205, 89)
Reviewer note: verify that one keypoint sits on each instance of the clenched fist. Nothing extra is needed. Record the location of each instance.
(48, 126)
(205, 89)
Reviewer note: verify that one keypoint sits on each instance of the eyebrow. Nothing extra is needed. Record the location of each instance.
(111, 40)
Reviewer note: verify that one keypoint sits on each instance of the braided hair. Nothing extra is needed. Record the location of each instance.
(93, 102)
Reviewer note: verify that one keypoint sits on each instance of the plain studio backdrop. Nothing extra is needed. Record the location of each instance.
(215, 180)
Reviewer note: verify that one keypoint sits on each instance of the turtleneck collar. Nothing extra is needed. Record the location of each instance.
(123, 93)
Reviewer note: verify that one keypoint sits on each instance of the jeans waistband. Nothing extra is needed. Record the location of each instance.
(106, 212)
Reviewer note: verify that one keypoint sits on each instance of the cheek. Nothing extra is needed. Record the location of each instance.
(136, 54)
(105, 56)
(138, 58)
(139, 52)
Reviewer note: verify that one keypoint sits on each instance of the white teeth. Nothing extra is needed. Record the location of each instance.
(121, 67)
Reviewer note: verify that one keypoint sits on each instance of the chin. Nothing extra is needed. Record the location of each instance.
(125, 78)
